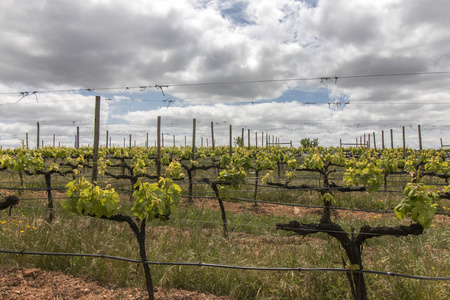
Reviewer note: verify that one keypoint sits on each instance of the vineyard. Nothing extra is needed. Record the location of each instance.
(246, 222)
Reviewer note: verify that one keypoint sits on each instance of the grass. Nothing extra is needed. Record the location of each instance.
(194, 234)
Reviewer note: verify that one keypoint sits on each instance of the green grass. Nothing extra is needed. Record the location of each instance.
(194, 234)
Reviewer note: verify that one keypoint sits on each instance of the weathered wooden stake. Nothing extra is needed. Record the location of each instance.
(404, 140)
(158, 143)
(77, 141)
(194, 125)
(420, 138)
(392, 139)
(212, 135)
(37, 134)
(231, 140)
(96, 140)
(374, 142)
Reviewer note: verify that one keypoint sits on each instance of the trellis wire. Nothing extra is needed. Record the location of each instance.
(201, 264)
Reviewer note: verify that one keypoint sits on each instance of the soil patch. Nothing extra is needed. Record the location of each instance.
(19, 283)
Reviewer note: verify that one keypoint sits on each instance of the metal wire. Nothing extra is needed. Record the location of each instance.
(201, 264)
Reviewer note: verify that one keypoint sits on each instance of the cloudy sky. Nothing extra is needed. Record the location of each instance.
(331, 70)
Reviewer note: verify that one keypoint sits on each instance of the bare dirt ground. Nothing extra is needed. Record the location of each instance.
(18, 283)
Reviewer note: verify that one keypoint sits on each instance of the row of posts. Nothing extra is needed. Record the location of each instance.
(159, 139)
(369, 137)
(158, 142)
(270, 140)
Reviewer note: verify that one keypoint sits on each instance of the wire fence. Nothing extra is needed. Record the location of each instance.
(203, 195)
(202, 264)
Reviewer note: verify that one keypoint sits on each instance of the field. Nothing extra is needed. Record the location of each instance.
(194, 232)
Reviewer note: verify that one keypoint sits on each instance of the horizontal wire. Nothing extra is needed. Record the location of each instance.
(160, 87)
(386, 211)
(164, 104)
(201, 264)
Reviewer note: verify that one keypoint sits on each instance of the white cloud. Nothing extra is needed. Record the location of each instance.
(91, 44)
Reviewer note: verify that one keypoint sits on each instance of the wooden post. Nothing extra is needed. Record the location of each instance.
(107, 138)
(242, 138)
(53, 141)
(256, 139)
(404, 140)
(174, 140)
(185, 144)
(420, 138)
(27, 140)
(109, 142)
(368, 140)
(442, 145)
(231, 140)
(124, 142)
(392, 139)
(201, 141)
(129, 141)
(96, 140)
(158, 144)
(212, 135)
(262, 139)
(382, 139)
(374, 142)
(77, 139)
(37, 135)
(194, 125)
(340, 143)
(248, 136)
